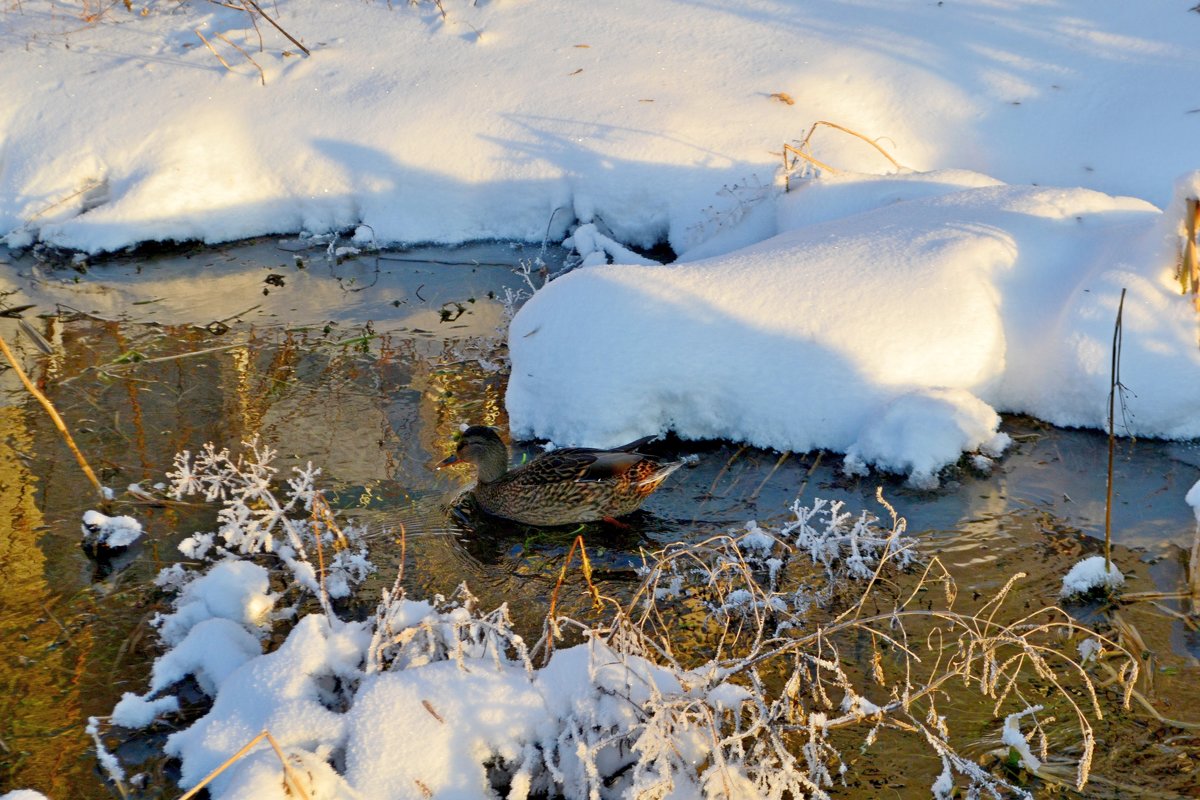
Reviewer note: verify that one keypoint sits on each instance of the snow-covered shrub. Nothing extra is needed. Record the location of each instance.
(742, 667)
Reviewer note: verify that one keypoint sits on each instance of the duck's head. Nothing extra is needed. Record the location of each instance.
(483, 447)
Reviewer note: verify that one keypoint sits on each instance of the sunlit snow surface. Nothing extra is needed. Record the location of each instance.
(881, 312)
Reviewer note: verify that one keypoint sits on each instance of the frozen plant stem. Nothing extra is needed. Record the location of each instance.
(55, 418)
(289, 774)
(1189, 272)
(1114, 384)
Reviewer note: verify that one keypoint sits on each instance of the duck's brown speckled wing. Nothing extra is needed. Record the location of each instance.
(577, 464)
(576, 484)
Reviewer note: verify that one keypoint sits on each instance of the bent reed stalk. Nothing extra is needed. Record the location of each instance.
(57, 420)
(1113, 388)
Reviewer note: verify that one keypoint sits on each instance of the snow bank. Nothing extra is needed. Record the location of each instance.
(889, 319)
(920, 432)
(482, 122)
(886, 317)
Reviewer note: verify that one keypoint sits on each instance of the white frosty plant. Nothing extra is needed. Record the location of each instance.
(253, 519)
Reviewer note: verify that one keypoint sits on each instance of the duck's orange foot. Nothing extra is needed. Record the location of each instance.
(616, 523)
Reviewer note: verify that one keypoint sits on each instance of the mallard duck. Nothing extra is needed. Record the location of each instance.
(562, 487)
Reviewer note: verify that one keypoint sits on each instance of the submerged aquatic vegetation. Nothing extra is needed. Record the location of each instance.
(746, 665)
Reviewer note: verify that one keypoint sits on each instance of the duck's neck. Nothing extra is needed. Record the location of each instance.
(493, 466)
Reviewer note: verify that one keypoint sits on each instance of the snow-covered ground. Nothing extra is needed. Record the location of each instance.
(883, 312)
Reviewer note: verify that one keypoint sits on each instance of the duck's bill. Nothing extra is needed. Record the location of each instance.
(451, 459)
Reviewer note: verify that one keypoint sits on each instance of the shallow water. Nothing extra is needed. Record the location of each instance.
(366, 367)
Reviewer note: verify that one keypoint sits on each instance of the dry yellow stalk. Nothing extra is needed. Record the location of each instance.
(844, 129)
(802, 150)
(261, 75)
(55, 418)
(1191, 262)
(1194, 570)
(208, 44)
(288, 772)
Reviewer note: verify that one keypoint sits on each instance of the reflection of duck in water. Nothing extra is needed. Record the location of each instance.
(577, 484)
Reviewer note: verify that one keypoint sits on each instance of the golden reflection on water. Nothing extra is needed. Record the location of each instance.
(32, 689)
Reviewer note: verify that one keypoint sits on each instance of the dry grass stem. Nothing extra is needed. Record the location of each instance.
(729, 463)
(1188, 620)
(254, 22)
(803, 151)
(84, 189)
(873, 142)
(433, 713)
(783, 457)
(552, 627)
(56, 419)
(1139, 596)
(277, 27)
(787, 167)
(261, 75)
(213, 50)
(1113, 388)
(289, 773)
(1194, 570)
(1189, 273)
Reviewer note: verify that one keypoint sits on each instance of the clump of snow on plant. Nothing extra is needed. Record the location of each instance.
(1011, 735)
(103, 531)
(217, 624)
(1091, 574)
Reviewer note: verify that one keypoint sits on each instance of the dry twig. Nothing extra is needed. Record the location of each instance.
(261, 75)
(277, 27)
(56, 419)
(1113, 387)
(288, 772)
(803, 151)
(213, 50)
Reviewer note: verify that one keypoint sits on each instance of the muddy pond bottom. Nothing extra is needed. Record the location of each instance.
(366, 365)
